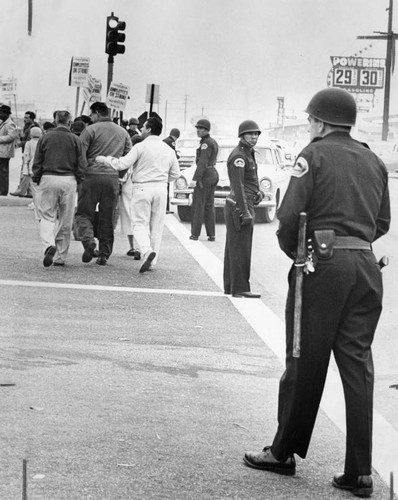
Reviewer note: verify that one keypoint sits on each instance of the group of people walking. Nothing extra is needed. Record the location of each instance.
(338, 182)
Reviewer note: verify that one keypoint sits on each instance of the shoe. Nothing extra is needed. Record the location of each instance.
(360, 486)
(58, 264)
(49, 256)
(169, 212)
(147, 262)
(227, 292)
(193, 237)
(89, 254)
(266, 461)
(102, 260)
(134, 253)
(211, 238)
(15, 194)
(131, 252)
(247, 295)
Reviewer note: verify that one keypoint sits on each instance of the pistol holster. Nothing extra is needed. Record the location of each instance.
(323, 243)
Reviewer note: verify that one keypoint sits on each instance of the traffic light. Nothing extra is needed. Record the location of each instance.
(113, 36)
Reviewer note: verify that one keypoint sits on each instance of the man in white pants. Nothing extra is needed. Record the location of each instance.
(153, 165)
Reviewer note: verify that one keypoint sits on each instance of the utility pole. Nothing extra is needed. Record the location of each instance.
(185, 111)
(30, 15)
(390, 36)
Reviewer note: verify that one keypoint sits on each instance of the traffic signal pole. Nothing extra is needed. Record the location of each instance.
(111, 60)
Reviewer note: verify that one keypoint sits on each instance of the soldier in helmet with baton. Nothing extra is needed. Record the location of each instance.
(342, 186)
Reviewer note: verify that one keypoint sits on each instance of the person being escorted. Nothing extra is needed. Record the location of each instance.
(101, 185)
(8, 135)
(206, 177)
(239, 212)
(59, 165)
(153, 165)
(343, 187)
(171, 141)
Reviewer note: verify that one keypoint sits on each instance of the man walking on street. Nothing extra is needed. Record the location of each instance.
(8, 134)
(58, 167)
(239, 212)
(101, 185)
(153, 165)
(206, 177)
(343, 187)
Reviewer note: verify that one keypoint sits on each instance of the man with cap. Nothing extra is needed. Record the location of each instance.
(206, 177)
(239, 212)
(343, 187)
(171, 141)
(8, 135)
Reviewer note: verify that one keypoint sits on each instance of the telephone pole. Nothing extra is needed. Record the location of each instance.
(390, 36)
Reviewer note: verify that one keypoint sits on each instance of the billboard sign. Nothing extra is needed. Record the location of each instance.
(358, 74)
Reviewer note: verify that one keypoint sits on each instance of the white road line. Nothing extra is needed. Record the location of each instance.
(271, 330)
(120, 289)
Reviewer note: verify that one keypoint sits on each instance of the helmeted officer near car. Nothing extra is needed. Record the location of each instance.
(343, 187)
(239, 212)
(206, 177)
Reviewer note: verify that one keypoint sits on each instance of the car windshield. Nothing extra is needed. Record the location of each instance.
(263, 155)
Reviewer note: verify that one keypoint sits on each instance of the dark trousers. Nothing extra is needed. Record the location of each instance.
(203, 204)
(4, 176)
(238, 253)
(341, 308)
(102, 190)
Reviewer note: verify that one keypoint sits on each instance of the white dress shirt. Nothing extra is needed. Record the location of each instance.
(151, 160)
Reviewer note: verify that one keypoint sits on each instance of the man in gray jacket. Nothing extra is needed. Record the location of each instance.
(8, 135)
(101, 185)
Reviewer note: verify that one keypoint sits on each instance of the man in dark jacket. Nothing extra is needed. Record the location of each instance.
(58, 167)
(343, 187)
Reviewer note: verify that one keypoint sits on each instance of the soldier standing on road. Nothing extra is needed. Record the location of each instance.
(58, 166)
(171, 141)
(153, 165)
(343, 187)
(206, 177)
(239, 212)
(101, 185)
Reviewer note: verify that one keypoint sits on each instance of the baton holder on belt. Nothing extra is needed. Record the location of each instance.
(298, 292)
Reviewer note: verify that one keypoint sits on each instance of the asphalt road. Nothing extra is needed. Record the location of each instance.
(116, 385)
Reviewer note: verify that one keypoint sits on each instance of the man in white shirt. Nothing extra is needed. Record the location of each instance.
(153, 165)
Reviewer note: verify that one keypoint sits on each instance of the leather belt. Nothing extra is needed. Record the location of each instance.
(351, 243)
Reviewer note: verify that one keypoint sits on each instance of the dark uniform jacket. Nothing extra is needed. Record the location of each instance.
(342, 185)
(206, 156)
(170, 141)
(242, 173)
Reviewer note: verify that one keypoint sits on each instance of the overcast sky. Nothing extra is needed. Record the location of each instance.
(232, 58)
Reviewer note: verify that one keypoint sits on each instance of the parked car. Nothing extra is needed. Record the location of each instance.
(186, 149)
(273, 176)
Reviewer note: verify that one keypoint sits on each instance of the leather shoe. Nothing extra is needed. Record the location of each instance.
(211, 238)
(134, 253)
(247, 295)
(59, 264)
(360, 486)
(149, 256)
(102, 260)
(49, 256)
(265, 460)
(89, 254)
(193, 237)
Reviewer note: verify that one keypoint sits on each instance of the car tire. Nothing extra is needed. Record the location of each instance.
(266, 214)
(184, 213)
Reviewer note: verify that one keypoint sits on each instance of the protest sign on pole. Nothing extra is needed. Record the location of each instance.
(117, 96)
(78, 75)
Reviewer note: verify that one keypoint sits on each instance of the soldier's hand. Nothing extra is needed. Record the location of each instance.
(259, 198)
(247, 219)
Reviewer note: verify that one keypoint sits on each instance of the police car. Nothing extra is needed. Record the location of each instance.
(273, 175)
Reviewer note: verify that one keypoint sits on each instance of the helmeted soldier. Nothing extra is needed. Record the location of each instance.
(239, 212)
(343, 187)
(206, 177)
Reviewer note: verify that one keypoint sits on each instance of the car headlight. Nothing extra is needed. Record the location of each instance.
(181, 183)
(265, 185)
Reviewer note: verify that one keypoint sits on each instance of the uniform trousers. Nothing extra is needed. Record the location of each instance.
(203, 204)
(56, 206)
(148, 211)
(238, 253)
(342, 302)
(4, 176)
(101, 189)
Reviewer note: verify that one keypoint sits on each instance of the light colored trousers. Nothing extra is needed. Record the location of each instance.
(148, 212)
(125, 201)
(56, 208)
